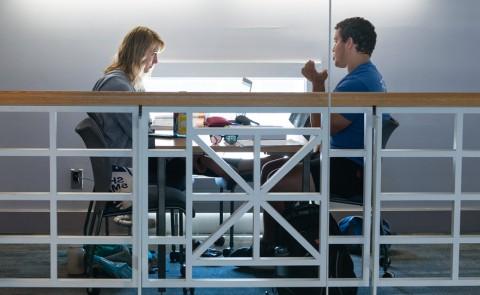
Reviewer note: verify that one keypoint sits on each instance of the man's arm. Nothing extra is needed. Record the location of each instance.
(337, 121)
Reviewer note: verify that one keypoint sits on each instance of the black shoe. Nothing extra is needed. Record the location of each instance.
(265, 251)
(242, 252)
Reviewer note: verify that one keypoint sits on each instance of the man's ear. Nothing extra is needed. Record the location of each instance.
(349, 43)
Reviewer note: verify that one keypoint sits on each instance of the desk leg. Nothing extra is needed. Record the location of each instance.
(160, 230)
(306, 174)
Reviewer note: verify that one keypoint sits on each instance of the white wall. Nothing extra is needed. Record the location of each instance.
(423, 45)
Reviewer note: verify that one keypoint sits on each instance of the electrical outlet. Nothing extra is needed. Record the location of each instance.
(76, 178)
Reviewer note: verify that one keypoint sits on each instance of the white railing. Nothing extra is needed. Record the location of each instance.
(255, 198)
(455, 239)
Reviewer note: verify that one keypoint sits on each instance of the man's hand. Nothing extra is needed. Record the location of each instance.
(311, 74)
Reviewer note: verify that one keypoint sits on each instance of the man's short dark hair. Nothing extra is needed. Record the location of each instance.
(361, 31)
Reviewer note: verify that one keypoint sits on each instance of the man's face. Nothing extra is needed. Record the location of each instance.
(339, 51)
(151, 58)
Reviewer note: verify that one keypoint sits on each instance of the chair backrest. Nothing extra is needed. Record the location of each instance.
(388, 127)
(101, 166)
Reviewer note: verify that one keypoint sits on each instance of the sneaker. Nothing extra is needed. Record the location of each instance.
(210, 252)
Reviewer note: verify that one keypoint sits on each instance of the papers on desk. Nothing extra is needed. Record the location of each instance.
(161, 133)
(163, 121)
(240, 155)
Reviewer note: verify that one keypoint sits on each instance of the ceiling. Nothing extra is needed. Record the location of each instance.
(194, 30)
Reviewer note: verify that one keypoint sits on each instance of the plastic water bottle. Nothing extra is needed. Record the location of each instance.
(179, 124)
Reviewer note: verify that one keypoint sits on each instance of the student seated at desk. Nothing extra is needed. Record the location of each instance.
(137, 56)
(354, 42)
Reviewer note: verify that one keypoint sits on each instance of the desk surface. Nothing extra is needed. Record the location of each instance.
(289, 145)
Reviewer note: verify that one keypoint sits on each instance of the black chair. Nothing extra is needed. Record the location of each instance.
(102, 172)
(227, 185)
(388, 126)
(99, 210)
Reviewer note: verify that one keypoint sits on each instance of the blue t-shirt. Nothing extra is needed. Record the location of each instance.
(364, 78)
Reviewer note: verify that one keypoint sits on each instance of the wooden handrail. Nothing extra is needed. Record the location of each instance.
(84, 98)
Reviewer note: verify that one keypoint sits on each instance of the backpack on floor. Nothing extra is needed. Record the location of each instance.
(303, 217)
(353, 226)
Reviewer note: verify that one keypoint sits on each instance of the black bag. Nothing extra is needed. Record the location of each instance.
(304, 218)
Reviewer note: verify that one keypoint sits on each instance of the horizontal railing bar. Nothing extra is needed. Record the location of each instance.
(209, 99)
(66, 283)
(417, 196)
(67, 196)
(25, 239)
(236, 109)
(25, 196)
(256, 130)
(344, 240)
(94, 153)
(173, 99)
(166, 240)
(24, 152)
(251, 282)
(167, 153)
(470, 239)
(416, 239)
(427, 282)
(415, 153)
(99, 240)
(206, 197)
(335, 153)
(470, 154)
(316, 197)
(246, 261)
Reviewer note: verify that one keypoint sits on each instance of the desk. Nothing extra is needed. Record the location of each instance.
(275, 146)
(289, 145)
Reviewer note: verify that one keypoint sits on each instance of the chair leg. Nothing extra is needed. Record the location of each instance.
(174, 255)
(172, 227)
(92, 219)
(220, 241)
(97, 219)
(107, 226)
(232, 204)
(220, 209)
(180, 233)
(231, 187)
(87, 224)
(385, 260)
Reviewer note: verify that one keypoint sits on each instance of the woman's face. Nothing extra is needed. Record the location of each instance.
(150, 58)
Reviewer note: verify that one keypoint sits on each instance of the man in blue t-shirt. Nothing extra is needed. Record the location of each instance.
(354, 42)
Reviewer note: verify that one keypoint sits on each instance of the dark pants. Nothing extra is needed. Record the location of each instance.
(346, 177)
(175, 172)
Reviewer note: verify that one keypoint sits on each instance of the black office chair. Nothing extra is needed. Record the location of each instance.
(388, 126)
(102, 173)
(227, 185)
(99, 210)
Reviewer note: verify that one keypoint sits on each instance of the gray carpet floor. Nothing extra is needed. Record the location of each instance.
(407, 261)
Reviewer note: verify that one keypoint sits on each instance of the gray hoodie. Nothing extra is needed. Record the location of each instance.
(116, 127)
